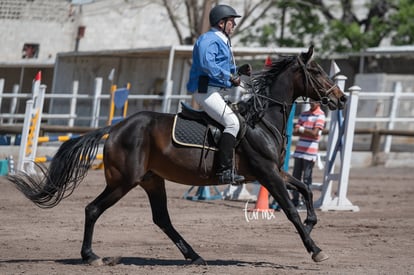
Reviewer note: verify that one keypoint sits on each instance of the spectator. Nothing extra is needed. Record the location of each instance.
(309, 129)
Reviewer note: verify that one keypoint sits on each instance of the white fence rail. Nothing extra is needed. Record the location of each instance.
(392, 110)
(10, 116)
(379, 110)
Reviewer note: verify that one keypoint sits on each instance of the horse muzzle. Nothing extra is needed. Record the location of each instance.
(333, 102)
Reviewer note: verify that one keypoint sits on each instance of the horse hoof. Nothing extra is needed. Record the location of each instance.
(319, 257)
(199, 261)
(96, 262)
(104, 261)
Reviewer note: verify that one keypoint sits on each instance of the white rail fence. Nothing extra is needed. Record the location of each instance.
(9, 117)
(392, 111)
(380, 110)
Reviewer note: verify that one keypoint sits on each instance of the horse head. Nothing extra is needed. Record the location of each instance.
(287, 79)
(316, 84)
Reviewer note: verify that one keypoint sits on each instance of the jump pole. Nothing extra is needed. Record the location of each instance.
(31, 126)
(341, 137)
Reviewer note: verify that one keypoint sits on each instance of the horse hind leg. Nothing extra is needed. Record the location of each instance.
(93, 211)
(155, 189)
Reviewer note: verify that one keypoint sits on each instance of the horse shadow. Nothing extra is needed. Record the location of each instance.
(140, 261)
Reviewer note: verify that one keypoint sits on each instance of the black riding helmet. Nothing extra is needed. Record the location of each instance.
(220, 12)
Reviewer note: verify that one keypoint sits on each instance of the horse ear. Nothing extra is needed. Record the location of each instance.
(310, 51)
(307, 56)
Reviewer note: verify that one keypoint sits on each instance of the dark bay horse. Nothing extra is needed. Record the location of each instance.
(140, 151)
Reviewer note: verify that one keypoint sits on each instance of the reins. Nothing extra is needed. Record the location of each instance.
(260, 101)
(309, 79)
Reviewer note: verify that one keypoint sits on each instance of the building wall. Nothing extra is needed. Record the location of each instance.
(43, 22)
(110, 24)
(117, 24)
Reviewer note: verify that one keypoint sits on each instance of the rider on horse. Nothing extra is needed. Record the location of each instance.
(212, 74)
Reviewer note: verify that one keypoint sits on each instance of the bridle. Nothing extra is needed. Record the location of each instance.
(259, 106)
(309, 79)
(261, 101)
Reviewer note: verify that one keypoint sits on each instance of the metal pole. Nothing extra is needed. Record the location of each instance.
(393, 114)
(168, 82)
(13, 103)
(289, 134)
(96, 102)
(73, 102)
(1, 94)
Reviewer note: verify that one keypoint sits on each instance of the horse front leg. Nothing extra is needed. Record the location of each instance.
(155, 189)
(277, 188)
(306, 192)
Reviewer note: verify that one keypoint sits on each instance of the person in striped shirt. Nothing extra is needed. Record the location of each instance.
(309, 129)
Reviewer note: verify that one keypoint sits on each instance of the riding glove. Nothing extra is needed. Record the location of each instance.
(245, 69)
(235, 80)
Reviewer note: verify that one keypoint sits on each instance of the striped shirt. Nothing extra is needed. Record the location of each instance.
(307, 147)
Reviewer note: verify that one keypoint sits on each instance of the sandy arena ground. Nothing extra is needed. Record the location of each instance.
(379, 239)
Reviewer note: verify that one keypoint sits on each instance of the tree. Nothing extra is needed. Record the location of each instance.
(333, 26)
(189, 18)
(340, 26)
(403, 23)
(349, 33)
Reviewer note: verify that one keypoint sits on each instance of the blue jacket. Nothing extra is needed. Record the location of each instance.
(212, 57)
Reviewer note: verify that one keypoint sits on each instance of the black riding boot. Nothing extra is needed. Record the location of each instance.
(225, 156)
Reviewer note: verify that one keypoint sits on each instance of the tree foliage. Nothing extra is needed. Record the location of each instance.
(333, 26)
(190, 17)
(403, 23)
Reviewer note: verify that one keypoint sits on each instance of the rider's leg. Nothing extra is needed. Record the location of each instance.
(225, 170)
(214, 105)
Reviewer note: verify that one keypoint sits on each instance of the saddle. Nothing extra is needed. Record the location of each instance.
(194, 128)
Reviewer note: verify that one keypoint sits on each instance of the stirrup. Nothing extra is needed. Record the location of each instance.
(228, 177)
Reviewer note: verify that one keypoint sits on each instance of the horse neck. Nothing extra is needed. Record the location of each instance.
(278, 116)
(283, 97)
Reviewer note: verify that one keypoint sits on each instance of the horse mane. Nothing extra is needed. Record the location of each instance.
(253, 109)
(263, 79)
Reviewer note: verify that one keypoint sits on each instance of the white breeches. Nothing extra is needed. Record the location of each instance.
(214, 105)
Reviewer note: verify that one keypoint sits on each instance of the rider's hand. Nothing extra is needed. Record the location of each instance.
(235, 80)
(245, 69)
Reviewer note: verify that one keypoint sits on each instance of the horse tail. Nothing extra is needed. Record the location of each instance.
(66, 171)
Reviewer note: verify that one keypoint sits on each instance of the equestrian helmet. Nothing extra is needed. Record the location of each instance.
(220, 12)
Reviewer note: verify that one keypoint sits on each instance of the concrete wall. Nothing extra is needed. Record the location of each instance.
(43, 22)
(110, 24)
(119, 24)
